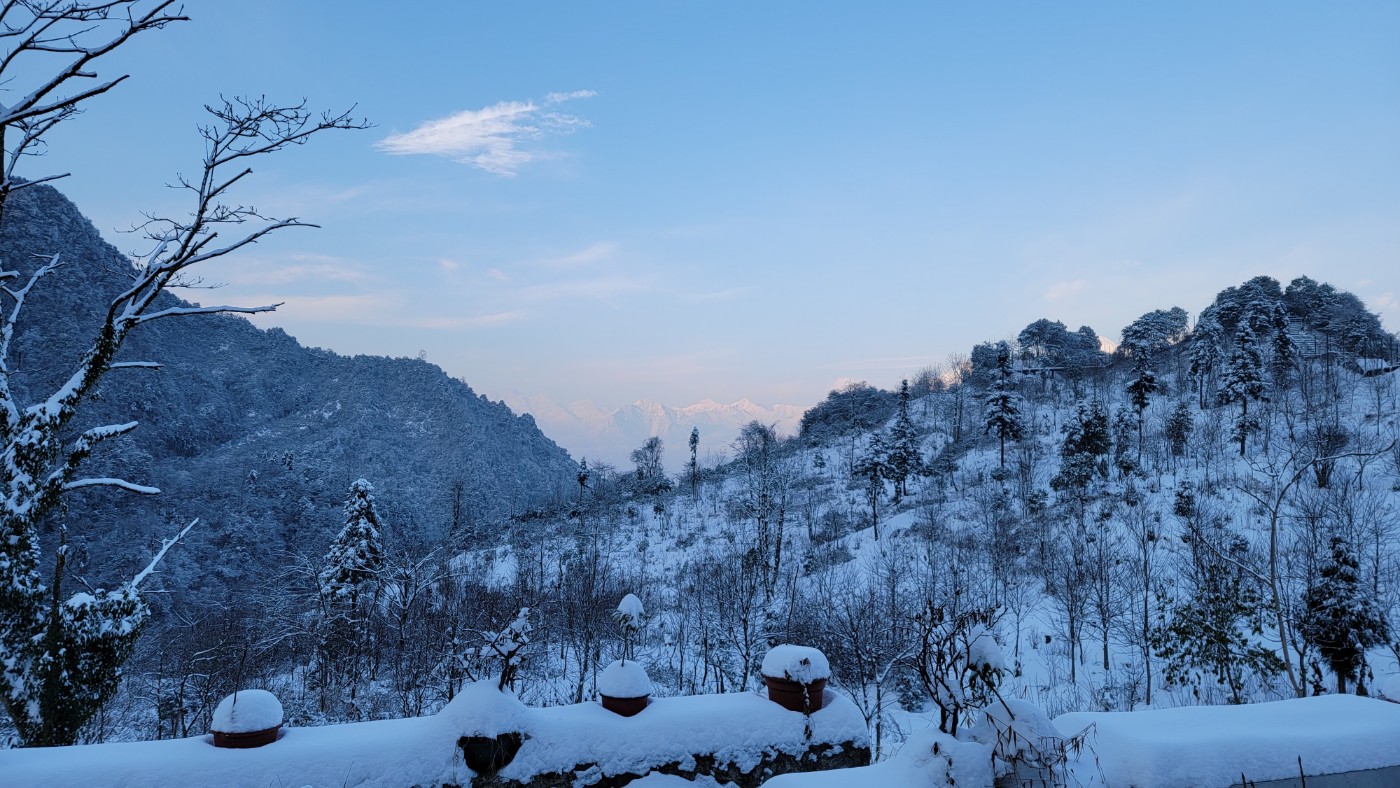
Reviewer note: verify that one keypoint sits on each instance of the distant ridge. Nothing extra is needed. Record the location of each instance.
(610, 435)
(254, 433)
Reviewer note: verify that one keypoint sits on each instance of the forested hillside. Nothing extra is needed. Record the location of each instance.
(1206, 514)
(251, 433)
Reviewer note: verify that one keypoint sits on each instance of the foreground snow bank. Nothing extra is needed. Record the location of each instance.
(1214, 745)
(735, 733)
(929, 759)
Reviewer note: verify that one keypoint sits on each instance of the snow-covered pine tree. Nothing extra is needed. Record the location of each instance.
(356, 555)
(1340, 620)
(902, 458)
(1205, 353)
(1244, 381)
(1178, 429)
(1141, 388)
(350, 574)
(870, 467)
(692, 466)
(1003, 405)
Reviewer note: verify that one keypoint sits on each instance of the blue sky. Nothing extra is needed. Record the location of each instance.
(673, 201)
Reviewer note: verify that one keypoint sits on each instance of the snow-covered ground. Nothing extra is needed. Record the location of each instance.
(1214, 745)
(1188, 746)
(738, 728)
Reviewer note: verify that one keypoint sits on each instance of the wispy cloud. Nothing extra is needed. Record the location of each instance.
(729, 294)
(586, 289)
(1061, 290)
(595, 253)
(492, 138)
(469, 321)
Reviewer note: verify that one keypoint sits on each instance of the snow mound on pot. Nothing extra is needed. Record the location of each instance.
(246, 711)
(481, 709)
(624, 680)
(802, 664)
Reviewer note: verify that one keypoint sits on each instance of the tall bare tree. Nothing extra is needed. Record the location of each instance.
(62, 655)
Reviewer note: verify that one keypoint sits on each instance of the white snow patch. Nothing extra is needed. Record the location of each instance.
(916, 765)
(1390, 687)
(1214, 745)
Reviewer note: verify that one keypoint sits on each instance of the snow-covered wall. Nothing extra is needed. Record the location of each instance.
(742, 738)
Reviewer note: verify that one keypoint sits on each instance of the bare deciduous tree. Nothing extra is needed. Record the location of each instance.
(62, 655)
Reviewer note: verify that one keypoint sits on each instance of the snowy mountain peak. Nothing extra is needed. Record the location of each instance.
(610, 434)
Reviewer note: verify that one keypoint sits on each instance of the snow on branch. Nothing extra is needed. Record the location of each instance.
(108, 482)
(204, 310)
(136, 365)
(165, 545)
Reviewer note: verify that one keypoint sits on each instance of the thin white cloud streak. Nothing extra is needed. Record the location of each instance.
(1061, 290)
(491, 138)
(378, 310)
(602, 288)
(596, 253)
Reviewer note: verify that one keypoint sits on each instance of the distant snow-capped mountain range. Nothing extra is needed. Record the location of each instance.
(588, 430)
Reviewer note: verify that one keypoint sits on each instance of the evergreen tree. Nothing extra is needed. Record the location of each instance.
(1003, 405)
(1141, 388)
(872, 469)
(693, 466)
(1215, 632)
(1178, 429)
(1086, 442)
(1206, 342)
(350, 574)
(1244, 381)
(356, 555)
(1340, 620)
(902, 458)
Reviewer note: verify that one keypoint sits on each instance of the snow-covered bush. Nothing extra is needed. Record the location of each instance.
(629, 617)
(958, 661)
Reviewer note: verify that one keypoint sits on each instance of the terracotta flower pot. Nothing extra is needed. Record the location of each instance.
(245, 740)
(795, 696)
(625, 706)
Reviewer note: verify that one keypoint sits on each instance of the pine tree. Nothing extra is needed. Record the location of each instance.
(351, 572)
(1340, 620)
(872, 469)
(1003, 405)
(902, 458)
(1244, 381)
(356, 555)
(1178, 429)
(693, 466)
(1141, 388)
(1086, 442)
(1205, 351)
(1215, 632)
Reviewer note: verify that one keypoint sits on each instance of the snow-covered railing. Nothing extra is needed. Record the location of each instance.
(739, 738)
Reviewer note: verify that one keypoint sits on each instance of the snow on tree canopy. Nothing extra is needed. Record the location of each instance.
(246, 711)
(624, 680)
(631, 607)
(802, 664)
(982, 649)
